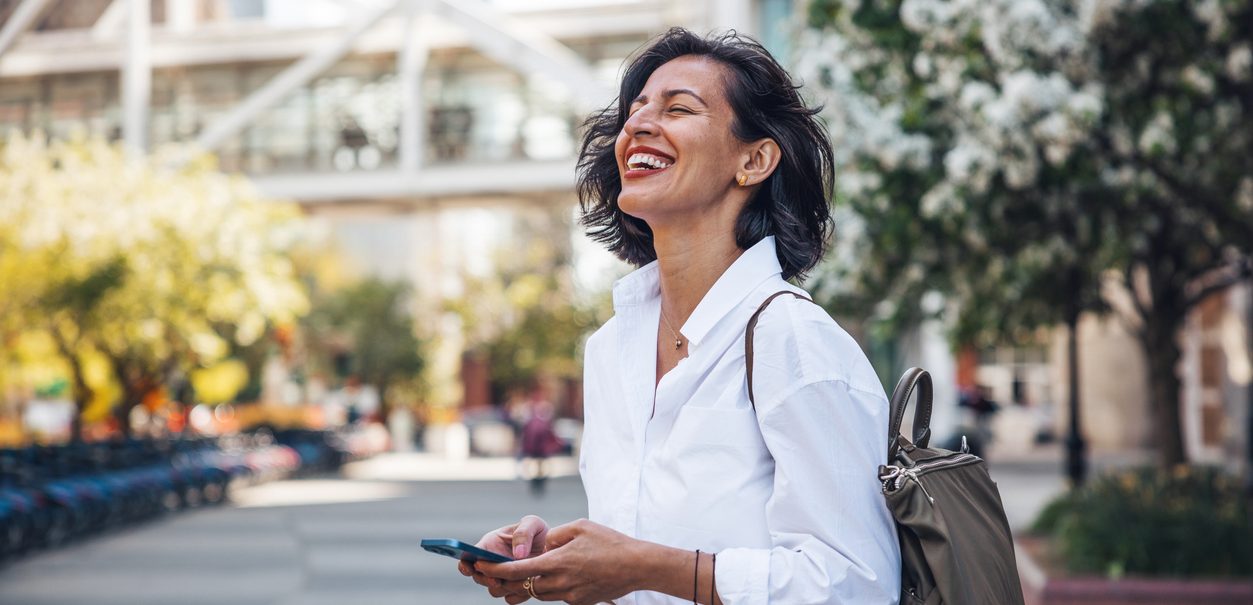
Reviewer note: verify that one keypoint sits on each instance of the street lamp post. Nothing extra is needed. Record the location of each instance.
(1076, 448)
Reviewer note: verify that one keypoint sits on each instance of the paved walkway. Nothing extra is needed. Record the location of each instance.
(354, 539)
(303, 542)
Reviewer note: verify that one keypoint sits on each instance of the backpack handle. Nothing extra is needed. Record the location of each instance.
(914, 378)
(748, 339)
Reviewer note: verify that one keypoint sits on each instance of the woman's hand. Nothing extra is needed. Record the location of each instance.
(585, 563)
(523, 539)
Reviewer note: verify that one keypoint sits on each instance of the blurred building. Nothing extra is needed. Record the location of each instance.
(421, 133)
(428, 134)
(1216, 372)
(409, 124)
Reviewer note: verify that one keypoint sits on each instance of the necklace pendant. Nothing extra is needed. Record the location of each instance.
(677, 343)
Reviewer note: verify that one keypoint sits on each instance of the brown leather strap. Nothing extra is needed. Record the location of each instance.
(914, 379)
(748, 339)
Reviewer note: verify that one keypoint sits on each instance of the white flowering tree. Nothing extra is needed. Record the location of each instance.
(155, 270)
(1015, 153)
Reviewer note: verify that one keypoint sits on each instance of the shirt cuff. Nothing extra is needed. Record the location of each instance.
(742, 576)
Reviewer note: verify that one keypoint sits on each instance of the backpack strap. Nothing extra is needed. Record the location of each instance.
(748, 338)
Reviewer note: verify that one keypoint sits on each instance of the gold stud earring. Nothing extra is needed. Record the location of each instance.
(741, 179)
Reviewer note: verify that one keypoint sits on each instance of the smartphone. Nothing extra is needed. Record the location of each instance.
(460, 550)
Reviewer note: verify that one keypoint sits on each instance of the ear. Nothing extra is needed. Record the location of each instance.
(760, 159)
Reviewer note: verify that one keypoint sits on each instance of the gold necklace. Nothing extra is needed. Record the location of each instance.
(678, 340)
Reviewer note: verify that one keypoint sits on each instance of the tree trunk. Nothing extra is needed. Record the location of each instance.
(1159, 337)
(82, 392)
(131, 394)
(82, 397)
(122, 414)
(135, 392)
(1248, 395)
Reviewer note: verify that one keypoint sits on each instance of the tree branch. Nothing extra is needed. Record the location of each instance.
(1195, 193)
(1142, 309)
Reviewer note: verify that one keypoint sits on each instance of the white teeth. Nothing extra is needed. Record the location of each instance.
(642, 161)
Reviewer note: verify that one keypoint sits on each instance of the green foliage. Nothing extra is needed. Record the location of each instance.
(822, 12)
(365, 330)
(525, 317)
(1053, 514)
(546, 339)
(128, 265)
(80, 295)
(1186, 522)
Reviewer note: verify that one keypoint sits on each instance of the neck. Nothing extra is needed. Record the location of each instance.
(689, 263)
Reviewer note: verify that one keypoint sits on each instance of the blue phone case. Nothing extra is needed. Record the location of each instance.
(462, 551)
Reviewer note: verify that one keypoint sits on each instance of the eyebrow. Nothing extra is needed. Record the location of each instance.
(671, 93)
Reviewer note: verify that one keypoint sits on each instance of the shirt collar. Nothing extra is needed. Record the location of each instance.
(754, 266)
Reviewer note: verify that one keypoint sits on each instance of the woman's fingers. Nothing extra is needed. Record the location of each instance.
(498, 591)
(490, 583)
(529, 537)
(547, 588)
(520, 570)
(495, 587)
(522, 540)
(483, 580)
(560, 535)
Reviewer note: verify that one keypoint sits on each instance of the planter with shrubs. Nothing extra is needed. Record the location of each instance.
(1181, 536)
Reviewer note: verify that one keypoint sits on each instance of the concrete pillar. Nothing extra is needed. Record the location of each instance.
(137, 76)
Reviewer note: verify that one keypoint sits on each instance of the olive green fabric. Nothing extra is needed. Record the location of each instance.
(956, 547)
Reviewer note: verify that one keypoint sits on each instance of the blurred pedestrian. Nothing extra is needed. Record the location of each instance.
(539, 441)
(711, 174)
(975, 433)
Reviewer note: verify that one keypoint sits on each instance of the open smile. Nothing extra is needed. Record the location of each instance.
(645, 161)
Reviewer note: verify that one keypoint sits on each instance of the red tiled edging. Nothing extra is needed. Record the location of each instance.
(1039, 589)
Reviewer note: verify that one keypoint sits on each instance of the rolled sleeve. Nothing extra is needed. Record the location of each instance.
(833, 540)
(743, 574)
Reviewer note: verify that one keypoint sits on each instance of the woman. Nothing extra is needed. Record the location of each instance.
(712, 173)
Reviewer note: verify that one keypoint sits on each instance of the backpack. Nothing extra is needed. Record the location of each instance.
(956, 547)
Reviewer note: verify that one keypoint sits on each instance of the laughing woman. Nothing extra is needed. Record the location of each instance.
(712, 176)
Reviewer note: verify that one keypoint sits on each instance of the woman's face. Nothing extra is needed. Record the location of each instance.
(676, 152)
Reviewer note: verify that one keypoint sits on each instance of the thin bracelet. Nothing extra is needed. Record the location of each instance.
(713, 579)
(695, 576)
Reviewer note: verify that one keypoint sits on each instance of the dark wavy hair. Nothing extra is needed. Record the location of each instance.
(792, 204)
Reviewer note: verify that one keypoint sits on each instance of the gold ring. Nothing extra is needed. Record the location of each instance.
(529, 585)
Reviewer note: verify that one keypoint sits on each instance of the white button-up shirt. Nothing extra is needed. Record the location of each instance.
(787, 496)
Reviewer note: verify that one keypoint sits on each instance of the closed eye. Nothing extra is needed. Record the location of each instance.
(681, 109)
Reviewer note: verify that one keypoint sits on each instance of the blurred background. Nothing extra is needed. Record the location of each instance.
(286, 285)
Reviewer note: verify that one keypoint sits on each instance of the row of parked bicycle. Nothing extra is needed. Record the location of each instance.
(50, 495)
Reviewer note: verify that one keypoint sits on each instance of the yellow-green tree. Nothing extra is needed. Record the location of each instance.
(525, 317)
(365, 330)
(156, 269)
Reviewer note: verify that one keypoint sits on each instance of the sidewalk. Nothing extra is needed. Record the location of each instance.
(318, 541)
(415, 466)
(1028, 479)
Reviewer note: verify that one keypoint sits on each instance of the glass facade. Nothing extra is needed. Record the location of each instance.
(62, 106)
(346, 119)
